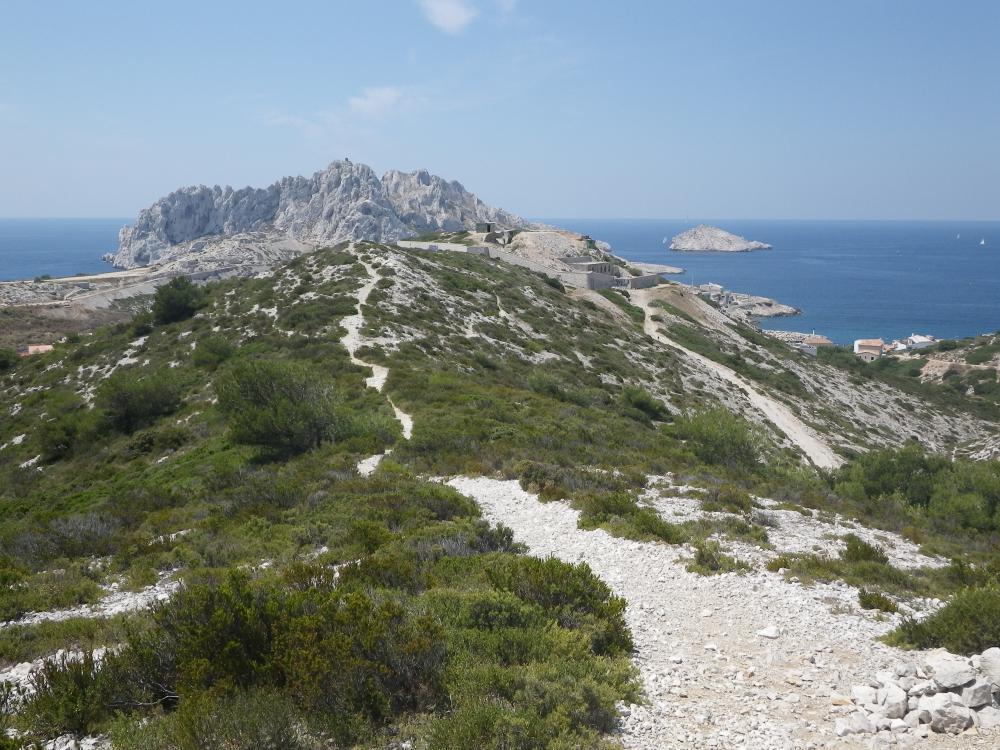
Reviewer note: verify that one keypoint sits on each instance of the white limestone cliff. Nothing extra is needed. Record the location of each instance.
(706, 238)
(346, 201)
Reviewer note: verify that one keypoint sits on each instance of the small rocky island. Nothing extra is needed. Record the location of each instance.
(704, 238)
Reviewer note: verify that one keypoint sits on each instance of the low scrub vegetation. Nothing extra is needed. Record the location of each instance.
(709, 559)
(177, 300)
(968, 624)
(320, 608)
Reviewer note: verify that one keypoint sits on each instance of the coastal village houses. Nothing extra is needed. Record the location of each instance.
(869, 349)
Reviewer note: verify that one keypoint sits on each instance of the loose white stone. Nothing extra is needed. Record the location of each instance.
(895, 702)
(989, 717)
(917, 717)
(856, 723)
(864, 695)
(949, 671)
(979, 693)
(948, 713)
(989, 665)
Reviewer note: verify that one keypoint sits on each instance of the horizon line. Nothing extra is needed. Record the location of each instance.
(592, 218)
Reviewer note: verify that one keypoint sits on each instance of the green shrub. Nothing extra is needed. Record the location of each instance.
(619, 514)
(10, 700)
(8, 359)
(727, 498)
(858, 550)
(212, 351)
(283, 407)
(258, 719)
(710, 559)
(177, 300)
(346, 659)
(53, 589)
(20, 643)
(68, 695)
(142, 324)
(968, 624)
(869, 599)
(570, 593)
(638, 401)
(130, 400)
(60, 437)
(358, 662)
(717, 436)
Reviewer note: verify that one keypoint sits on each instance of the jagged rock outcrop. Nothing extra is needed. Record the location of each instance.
(713, 239)
(427, 203)
(346, 201)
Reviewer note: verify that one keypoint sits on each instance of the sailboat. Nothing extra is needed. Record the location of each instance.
(982, 241)
(958, 236)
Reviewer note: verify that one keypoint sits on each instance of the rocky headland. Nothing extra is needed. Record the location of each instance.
(704, 238)
(344, 202)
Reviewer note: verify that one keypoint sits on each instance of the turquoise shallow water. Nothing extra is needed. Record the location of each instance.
(852, 279)
(58, 247)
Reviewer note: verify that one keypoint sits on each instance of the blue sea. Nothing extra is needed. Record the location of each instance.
(851, 279)
(58, 247)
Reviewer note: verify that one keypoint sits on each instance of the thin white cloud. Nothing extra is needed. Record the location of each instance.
(451, 16)
(507, 6)
(362, 111)
(376, 101)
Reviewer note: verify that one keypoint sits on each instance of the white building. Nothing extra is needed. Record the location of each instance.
(869, 349)
(919, 341)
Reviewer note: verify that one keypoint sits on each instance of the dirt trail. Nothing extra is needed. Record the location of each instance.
(818, 451)
(352, 341)
(728, 661)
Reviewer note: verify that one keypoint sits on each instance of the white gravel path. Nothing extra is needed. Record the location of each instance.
(116, 602)
(352, 341)
(780, 415)
(711, 680)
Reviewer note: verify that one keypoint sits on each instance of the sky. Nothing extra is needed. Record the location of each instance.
(550, 108)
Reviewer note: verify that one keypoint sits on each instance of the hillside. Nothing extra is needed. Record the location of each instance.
(301, 509)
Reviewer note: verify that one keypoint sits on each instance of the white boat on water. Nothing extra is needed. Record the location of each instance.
(982, 241)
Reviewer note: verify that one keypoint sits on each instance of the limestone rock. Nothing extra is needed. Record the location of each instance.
(864, 695)
(949, 671)
(917, 717)
(893, 700)
(856, 723)
(706, 238)
(948, 713)
(427, 203)
(771, 632)
(989, 718)
(924, 687)
(344, 202)
(979, 693)
(989, 665)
